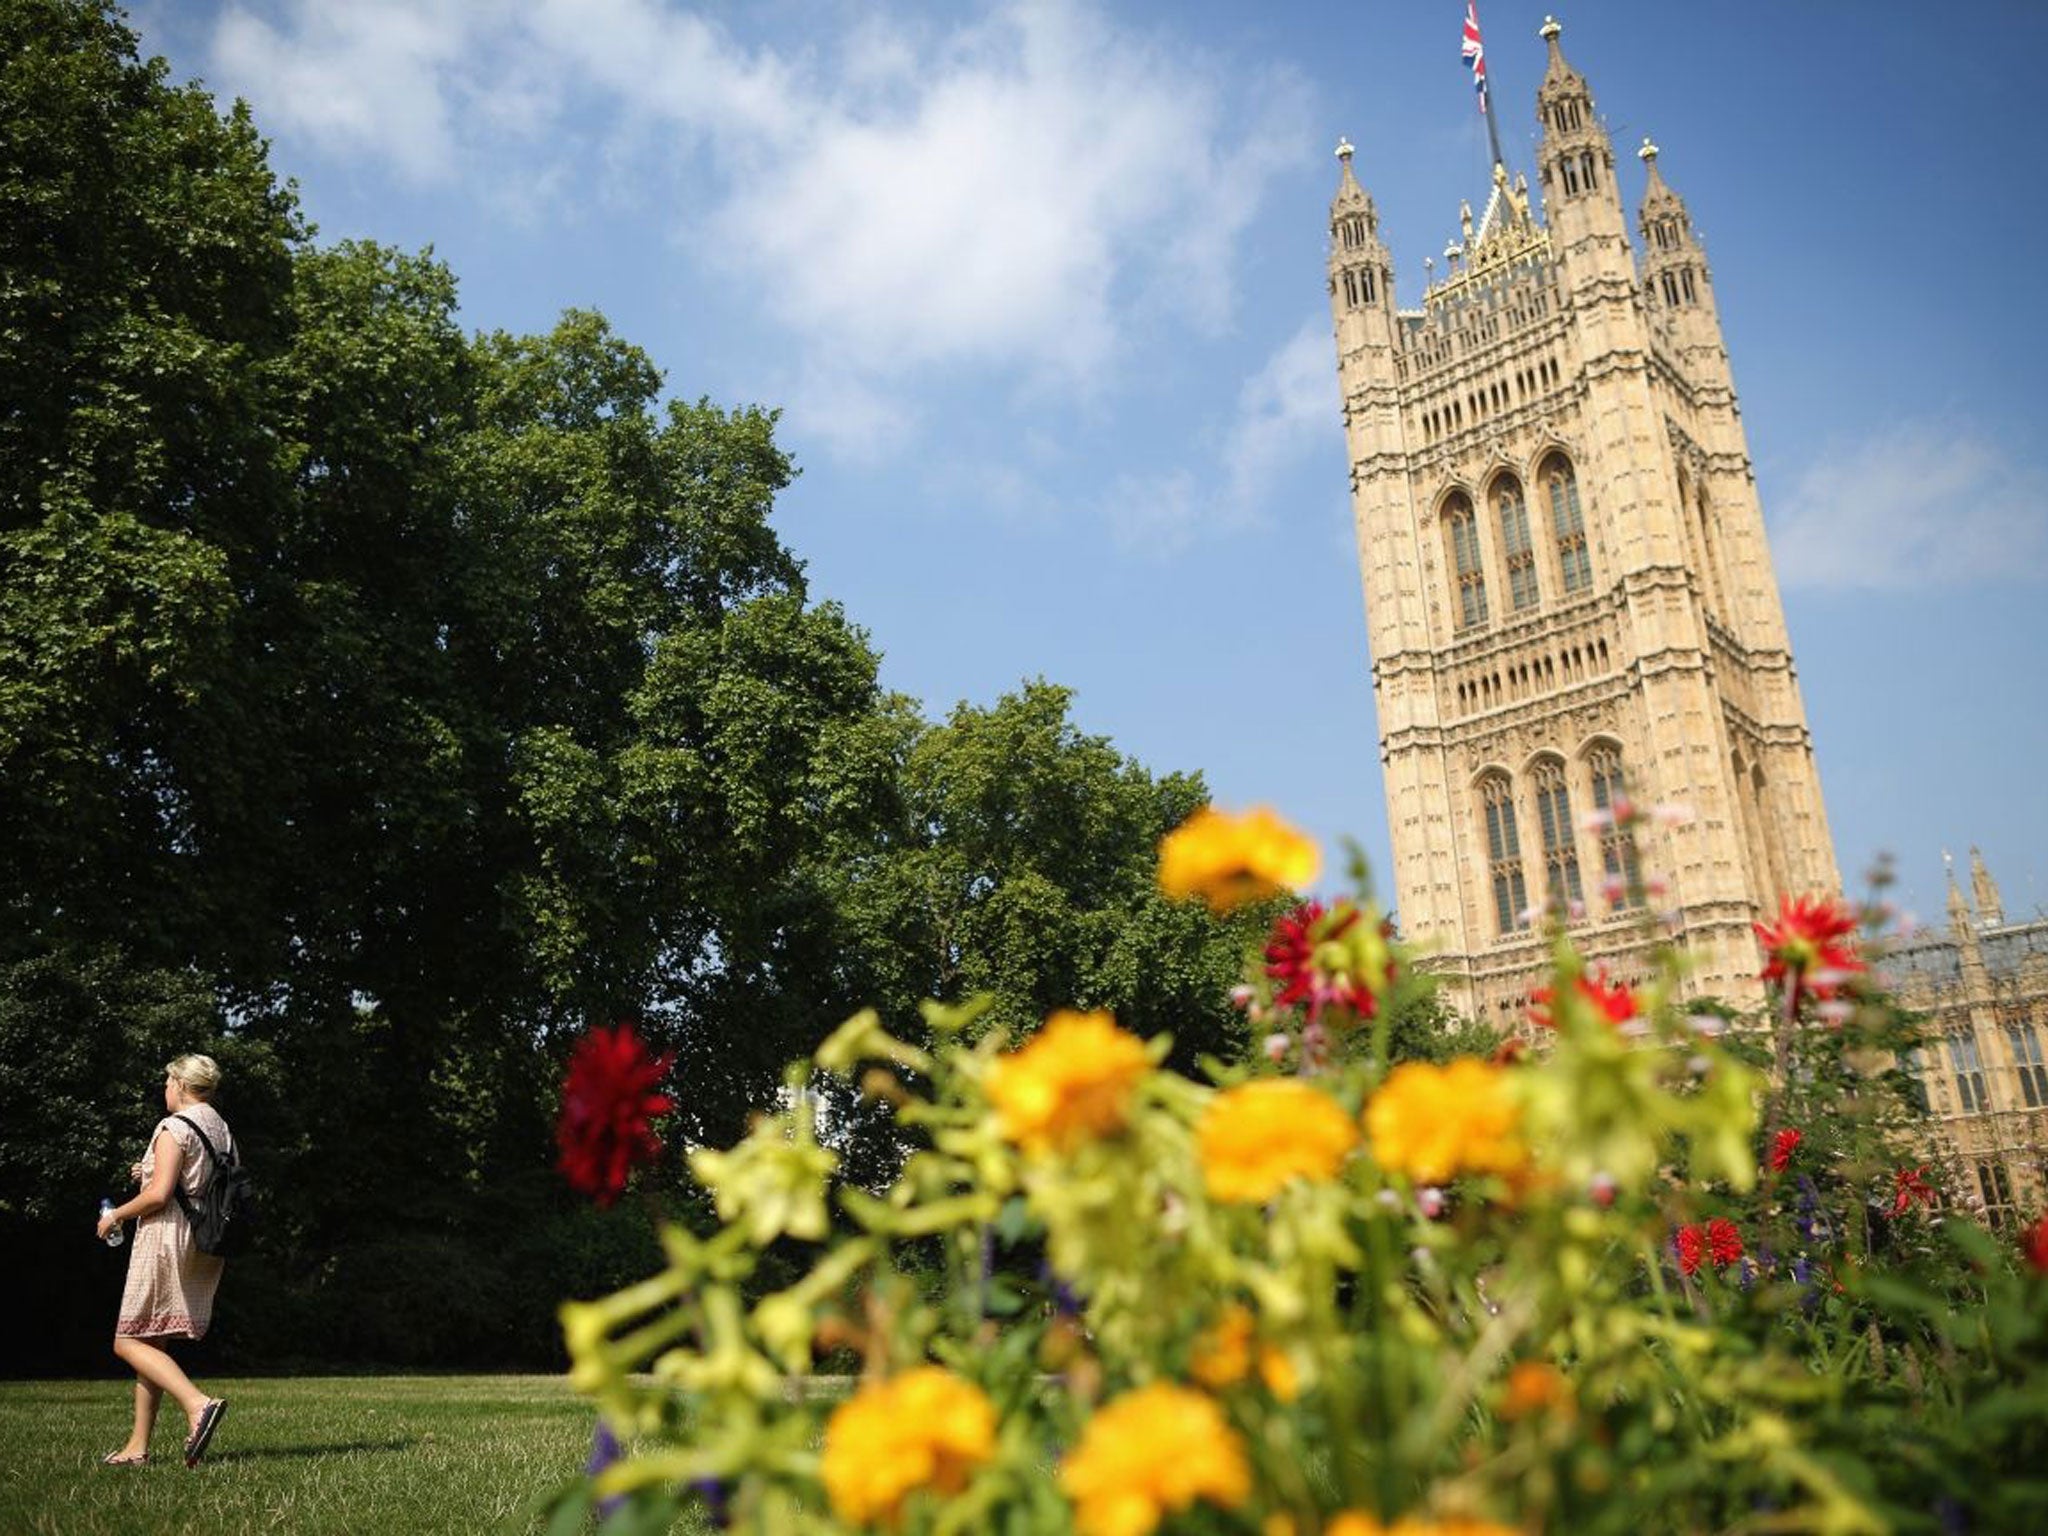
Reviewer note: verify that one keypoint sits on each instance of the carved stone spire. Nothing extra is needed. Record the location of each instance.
(1984, 892)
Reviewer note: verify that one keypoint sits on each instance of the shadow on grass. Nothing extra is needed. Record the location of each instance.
(305, 1452)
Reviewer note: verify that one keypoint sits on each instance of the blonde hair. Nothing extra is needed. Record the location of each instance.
(199, 1074)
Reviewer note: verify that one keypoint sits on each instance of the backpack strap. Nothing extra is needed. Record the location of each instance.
(178, 1189)
(205, 1141)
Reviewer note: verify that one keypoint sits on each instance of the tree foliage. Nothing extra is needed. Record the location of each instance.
(382, 703)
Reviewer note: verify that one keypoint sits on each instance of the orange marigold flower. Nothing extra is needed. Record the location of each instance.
(1533, 1387)
(1806, 945)
(1222, 1356)
(925, 1429)
(1228, 859)
(1612, 1001)
(1352, 1523)
(1072, 1083)
(1152, 1453)
(1323, 955)
(1277, 1371)
(1433, 1123)
(1254, 1138)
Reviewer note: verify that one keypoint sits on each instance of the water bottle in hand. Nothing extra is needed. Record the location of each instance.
(115, 1234)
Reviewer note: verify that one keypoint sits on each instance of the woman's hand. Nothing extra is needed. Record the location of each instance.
(135, 1173)
(107, 1224)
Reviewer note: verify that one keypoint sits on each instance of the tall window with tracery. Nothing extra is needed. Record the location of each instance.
(1560, 848)
(1969, 1070)
(1567, 524)
(1462, 524)
(2026, 1053)
(1996, 1189)
(1617, 847)
(1515, 543)
(1504, 854)
(1915, 1068)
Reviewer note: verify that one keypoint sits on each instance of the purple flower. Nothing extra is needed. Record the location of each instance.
(716, 1493)
(1066, 1301)
(1811, 1221)
(604, 1450)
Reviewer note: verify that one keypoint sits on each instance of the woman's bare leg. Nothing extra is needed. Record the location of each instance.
(157, 1373)
(147, 1399)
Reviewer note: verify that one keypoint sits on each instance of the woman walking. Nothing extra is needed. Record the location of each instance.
(170, 1287)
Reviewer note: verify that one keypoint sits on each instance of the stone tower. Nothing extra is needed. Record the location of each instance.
(1568, 594)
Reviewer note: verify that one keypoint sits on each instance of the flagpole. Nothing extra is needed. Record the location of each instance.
(1474, 52)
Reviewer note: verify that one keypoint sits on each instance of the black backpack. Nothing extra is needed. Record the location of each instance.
(226, 1208)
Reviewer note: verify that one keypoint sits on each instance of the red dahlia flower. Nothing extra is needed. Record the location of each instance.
(1724, 1242)
(1908, 1185)
(1320, 956)
(1783, 1145)
(1612, 1001)
(1692, 1248)
(607, 1101)
(2034, 1244)
(1807, 945)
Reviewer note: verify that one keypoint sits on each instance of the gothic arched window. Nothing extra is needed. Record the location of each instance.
(1461, 526)
(1560, 846)
(1515, 543)
(1504, 853)
(1567, 524)
(1617, 848)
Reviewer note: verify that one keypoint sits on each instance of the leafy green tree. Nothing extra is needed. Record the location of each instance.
(382, 704)
(145, 254)
(1024, 868)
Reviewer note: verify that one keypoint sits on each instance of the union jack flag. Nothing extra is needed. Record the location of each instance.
(1475, 51)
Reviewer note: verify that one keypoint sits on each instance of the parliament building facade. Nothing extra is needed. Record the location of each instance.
(1570, 605)
(1569, 599)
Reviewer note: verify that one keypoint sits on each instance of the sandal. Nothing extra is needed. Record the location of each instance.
(202, 1433)
(116, 1459)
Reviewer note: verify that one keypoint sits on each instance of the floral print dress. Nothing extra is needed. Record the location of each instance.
(170, 1282)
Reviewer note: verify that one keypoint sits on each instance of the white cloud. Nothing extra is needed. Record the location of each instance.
(1284, 410)
(370, 77)
(1286, 415)
(1018, 192)
(1922, 504)
(839, 408)
(1036, 177)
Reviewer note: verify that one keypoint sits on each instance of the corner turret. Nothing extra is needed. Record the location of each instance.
(1675, 276)
(1575, 161)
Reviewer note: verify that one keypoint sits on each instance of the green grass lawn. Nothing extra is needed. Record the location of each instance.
(303, 1457)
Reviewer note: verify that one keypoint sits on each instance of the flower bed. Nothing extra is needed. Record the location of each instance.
(1643, 1275)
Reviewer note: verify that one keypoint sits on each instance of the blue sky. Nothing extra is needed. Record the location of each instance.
(1039, 289)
